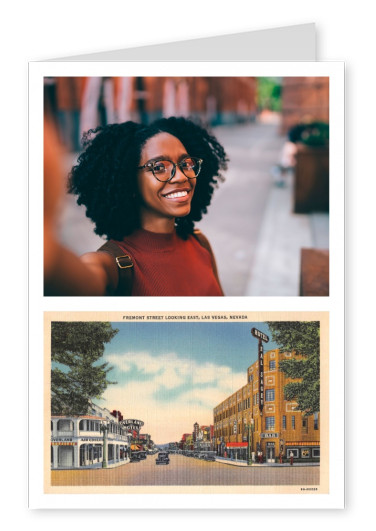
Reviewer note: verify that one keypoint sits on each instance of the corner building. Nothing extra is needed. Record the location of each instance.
(277, 427)
(78, 441)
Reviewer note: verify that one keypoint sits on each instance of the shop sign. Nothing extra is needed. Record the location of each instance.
(90, 439)
(133, 424)
(269, 435)
(259, 335)
(61, 439)
(261, 376)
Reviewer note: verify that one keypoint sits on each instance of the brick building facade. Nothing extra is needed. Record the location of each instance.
(279, 427)
(304, 100)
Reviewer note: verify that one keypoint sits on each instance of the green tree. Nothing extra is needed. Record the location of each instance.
(77, 376)
(303, 338)
(269, 93)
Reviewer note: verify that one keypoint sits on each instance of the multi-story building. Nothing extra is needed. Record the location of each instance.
(304, 100)
(200, 440)
(88, 440)
(204, 439)
(276, 428)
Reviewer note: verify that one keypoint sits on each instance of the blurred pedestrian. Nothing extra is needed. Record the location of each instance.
(286, 163)
(68, 101)
(291, 458)
(92, 93)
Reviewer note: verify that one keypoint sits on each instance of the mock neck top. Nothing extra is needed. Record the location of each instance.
(166, 265)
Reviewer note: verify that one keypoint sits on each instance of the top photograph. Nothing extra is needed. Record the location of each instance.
(186, 186)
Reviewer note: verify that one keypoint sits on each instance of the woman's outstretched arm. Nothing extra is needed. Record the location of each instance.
(64, 272)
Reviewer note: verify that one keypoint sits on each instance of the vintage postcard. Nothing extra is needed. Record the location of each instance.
(186, 403)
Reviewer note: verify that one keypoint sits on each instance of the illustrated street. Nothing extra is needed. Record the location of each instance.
(186, 471)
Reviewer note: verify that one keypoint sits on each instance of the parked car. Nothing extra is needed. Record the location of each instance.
(142, 455)
(209, 457)
(162, 459)
(135, 458)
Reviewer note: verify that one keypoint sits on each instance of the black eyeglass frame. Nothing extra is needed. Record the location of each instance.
(150, 165)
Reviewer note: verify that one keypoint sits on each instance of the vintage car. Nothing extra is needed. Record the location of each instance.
(135, 458)
(162, 459)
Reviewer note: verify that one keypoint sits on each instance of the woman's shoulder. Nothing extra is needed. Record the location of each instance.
(202, 239)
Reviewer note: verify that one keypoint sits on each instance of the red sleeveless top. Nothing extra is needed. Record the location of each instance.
(166, 265)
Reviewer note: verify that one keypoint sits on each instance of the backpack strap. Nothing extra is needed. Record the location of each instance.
(125, 268)
(204, 242)
(125, 264)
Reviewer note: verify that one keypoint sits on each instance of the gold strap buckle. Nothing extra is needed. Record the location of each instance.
(124, 266)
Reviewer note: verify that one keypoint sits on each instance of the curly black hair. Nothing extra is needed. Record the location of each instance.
(105, 176)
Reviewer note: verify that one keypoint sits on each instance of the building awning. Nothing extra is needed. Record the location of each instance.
(308, 443)
(135, 447)
(60, 443)
(236, 445)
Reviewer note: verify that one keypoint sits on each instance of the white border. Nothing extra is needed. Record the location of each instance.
(333, 304)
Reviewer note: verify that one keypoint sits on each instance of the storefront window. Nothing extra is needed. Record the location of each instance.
(294, 451)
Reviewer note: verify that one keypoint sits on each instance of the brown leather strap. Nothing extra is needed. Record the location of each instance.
(206, 245)
(125, 268)
(125, 263)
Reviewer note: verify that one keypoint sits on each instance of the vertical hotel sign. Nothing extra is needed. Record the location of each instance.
(261, 337)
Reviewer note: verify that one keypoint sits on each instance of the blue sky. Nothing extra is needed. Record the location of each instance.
(171, 375)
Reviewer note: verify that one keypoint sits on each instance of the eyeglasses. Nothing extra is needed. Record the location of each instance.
(165, 170)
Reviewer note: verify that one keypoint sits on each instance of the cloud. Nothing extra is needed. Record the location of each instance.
(175, 394)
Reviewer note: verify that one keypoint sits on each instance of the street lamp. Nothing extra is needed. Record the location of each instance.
(250, 427)
(104, 428)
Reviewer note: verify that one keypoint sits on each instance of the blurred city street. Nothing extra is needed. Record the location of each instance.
(251, 225)
(254, 233)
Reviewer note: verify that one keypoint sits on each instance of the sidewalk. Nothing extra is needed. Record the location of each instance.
(235, 462)
(111, 464)
(256, 236)
(276, 266)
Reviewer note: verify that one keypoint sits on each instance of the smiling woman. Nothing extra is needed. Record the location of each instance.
(144, 187)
